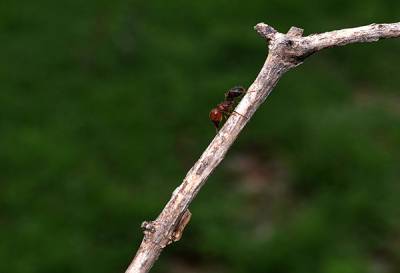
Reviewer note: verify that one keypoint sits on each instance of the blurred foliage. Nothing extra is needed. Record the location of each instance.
(104, 107)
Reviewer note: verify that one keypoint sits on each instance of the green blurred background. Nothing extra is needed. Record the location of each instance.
(104, 108)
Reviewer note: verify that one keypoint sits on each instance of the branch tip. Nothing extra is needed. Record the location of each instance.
(265, 31)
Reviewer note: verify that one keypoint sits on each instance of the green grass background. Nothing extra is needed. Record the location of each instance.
(104, 108)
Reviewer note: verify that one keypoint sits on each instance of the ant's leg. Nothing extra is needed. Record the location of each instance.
(239, 114)
(226, 114)
(216, 126)
(233, 111)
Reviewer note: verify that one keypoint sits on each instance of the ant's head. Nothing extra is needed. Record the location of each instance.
(216, 117)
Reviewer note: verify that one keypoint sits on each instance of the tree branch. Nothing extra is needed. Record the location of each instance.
(285, 52)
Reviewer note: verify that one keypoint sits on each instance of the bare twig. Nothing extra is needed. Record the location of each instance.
(285, 52)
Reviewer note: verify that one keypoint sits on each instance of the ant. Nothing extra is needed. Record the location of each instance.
(225, 108)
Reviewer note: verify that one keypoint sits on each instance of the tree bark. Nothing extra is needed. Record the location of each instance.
(285, 52)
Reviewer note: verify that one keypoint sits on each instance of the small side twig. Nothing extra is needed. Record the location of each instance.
(285, 52)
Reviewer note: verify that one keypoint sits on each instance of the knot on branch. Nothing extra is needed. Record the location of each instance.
(289, 48)
(157, 233)
(148, 228)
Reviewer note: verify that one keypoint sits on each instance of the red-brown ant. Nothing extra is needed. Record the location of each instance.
(225, 108)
